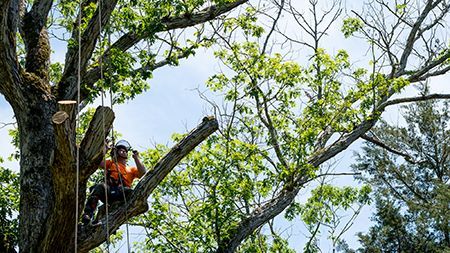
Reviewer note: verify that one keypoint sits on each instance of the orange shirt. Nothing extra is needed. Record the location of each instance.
(128, 173)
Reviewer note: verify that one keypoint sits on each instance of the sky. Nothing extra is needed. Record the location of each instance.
(172, 105)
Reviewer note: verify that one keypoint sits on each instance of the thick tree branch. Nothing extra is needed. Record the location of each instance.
(343, 142)
(67, 88)
(257, 218)
(131, 38)
(91, 237)
(36, 39)
(9, 66)
(91, 148)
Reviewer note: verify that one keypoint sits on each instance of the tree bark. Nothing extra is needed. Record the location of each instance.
(37, 151)
(48, 169)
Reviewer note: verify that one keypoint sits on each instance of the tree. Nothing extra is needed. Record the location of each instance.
(33, 87)
(409, 167)
(285, 121)
(281, 121)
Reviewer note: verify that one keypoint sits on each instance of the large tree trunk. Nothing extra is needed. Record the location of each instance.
(37, 149)
(47, 178)
(48, 168)
(49, 174)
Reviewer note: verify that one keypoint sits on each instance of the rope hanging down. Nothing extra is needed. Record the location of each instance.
(77, 125)
(115, 161)
(61, 116)
(113, 141)
(103, 124)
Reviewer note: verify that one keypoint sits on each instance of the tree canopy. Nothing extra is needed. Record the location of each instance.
(287, 106)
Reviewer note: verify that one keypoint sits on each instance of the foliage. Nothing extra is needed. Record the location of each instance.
(126, 73)
(9, 208)
(274, 111)
(288, 107)
(412, 191)
(276, 115)
(205, 191)
(350, 26)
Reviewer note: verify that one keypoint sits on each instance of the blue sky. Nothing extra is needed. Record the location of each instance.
(172, 105)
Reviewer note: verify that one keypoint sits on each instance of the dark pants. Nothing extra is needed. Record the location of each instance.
(115, 193)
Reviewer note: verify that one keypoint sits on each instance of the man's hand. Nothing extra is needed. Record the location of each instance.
(135, 154)
(139, 165)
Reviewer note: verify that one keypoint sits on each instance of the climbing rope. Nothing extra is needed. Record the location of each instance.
(119, 173)
(125, 200)
(104, 127)
(115, 157)
(77, 123)
(103, 95)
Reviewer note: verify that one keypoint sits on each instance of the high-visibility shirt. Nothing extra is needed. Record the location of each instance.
(128, 173)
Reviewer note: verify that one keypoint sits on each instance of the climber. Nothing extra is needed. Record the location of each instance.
(119, 181)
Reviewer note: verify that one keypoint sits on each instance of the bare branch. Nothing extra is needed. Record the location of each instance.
(424, 73)
(377, 142)
(3, 125)
(274, 24)
(414, 99)
(412, 37)
(435, 73)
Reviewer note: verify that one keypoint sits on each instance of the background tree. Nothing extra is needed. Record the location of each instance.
(409, 169)
(9, 206)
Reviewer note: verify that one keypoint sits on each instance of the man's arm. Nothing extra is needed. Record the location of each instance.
(140, 166)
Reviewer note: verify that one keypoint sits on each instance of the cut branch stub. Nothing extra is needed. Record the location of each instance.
(59, 117)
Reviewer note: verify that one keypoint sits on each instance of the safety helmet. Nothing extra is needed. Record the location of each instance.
(123, 144)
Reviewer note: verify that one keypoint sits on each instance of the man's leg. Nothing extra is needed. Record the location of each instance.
(97, 193)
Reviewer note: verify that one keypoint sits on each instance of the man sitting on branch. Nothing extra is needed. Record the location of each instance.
(119, 178)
